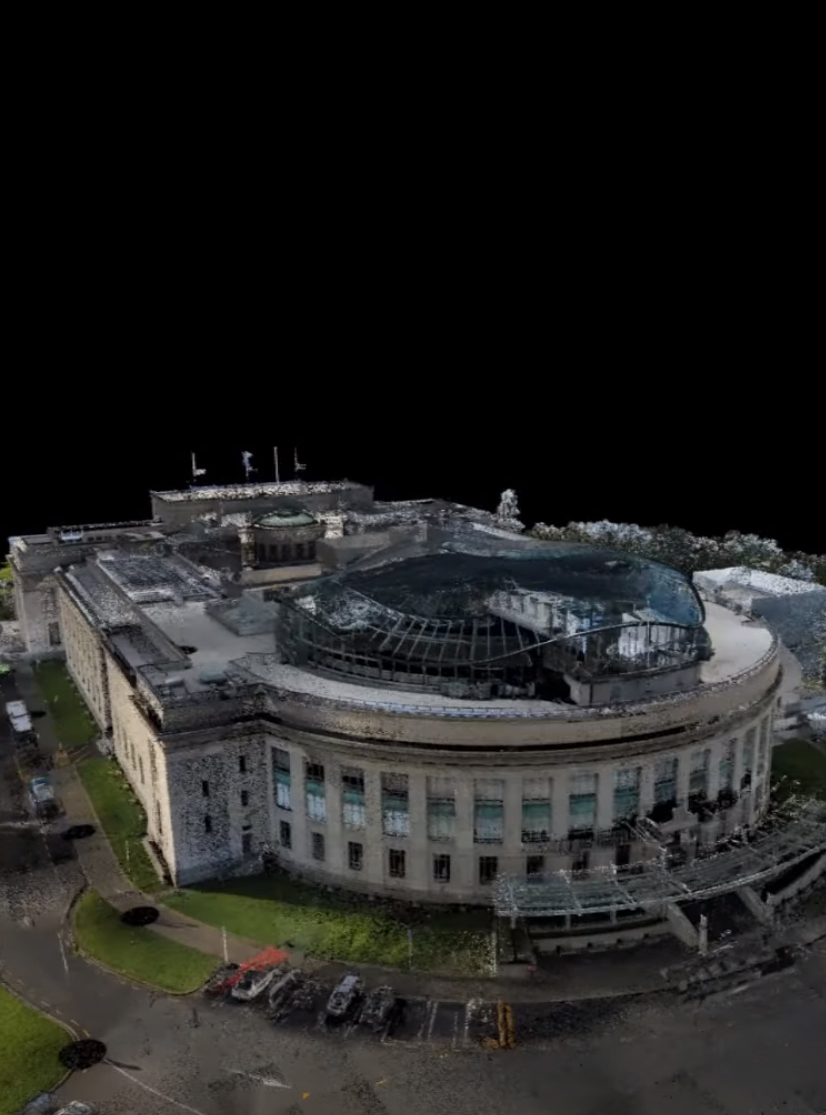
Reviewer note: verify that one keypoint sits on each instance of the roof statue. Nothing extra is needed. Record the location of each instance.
(508, 510)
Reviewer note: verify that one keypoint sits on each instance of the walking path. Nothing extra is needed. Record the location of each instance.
(569, 978)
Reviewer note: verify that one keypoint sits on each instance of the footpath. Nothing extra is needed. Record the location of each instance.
(568, 978)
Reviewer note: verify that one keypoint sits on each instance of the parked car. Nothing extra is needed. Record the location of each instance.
(282, 991)
(222, 979)
(78, 1108)
(253, 982)
(344, 998)
(382, 1008)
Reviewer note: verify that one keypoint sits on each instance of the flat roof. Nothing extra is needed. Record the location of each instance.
(770, 584)
(255, 491)
(740, 645)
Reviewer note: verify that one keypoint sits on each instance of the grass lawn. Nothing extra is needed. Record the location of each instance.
(73, 722)
(30, 1044)
(5, 572)
(137, 952)
(800, 762)
(122, 818)
(275, 910)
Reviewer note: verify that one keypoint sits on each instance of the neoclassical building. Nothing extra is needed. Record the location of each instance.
(416, 704)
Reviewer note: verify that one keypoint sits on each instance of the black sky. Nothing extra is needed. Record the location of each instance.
(637, 476)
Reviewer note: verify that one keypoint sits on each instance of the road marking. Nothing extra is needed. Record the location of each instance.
(471, 1007)
(432, 1020)
(154, 1091)
(86, 1032)
(63, 955)
(455, 1039)
(75, 1022)
(268, 1081)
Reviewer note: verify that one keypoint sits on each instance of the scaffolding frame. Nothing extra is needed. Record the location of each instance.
(783, 842)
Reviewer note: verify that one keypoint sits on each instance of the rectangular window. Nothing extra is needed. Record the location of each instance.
(488, 811)
(353, 808)
(207, 823)
(205, 789)
(242, 764)
(315, 793)
(626, 793)
(140, 766)
(395, 805)
(245, 798)
(285, 834)
(535, 865)
(54, 634)
(441, 819)
(355, 856)
(488, 869)
(665, 781)
(246, 843)
(396, 856)
(281, 777)
(536, 810)
(318, 845)
(153, 763)
(698, 775)
(441, 869)
(582, 802)
(727, 767)
(158, 825)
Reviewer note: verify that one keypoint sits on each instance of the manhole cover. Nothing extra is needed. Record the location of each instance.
(82, 1054)
(140, 915)
(79, 832)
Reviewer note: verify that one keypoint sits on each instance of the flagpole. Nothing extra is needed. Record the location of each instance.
(275, 454)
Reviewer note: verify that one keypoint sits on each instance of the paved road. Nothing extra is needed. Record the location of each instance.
(756, 1052)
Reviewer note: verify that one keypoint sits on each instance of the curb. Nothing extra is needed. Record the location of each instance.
(45, 1014)
(90, 959)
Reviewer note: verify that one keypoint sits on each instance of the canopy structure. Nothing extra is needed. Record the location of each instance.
(781, 844)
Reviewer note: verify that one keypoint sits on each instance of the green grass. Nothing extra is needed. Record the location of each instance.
(73, 722)
(5, 573)
(136, 952)
(30, 1044)
(799, 762)
(122, 818)
(275, 910)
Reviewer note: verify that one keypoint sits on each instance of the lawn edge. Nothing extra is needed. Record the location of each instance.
(6, 986)
(122, 976)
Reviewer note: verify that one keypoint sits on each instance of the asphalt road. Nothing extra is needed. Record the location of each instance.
(759, 1051)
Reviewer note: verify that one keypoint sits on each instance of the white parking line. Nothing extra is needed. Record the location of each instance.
(471, 1008)
(432, 1020)
(455, 1039)
(154, 1091)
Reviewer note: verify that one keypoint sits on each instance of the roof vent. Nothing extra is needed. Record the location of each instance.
(214, 676)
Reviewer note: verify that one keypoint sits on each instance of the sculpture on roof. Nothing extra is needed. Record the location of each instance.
(508, 511)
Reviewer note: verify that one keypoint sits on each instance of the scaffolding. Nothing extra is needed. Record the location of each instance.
(751, 858)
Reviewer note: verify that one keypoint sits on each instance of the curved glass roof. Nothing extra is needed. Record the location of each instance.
(454, 575)
(273, 520)
(484, 615)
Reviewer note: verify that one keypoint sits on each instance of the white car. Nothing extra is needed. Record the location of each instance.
(78, 1108)
(253, 982)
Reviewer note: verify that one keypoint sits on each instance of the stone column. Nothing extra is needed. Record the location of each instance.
(683, 775)
(646, 788)
(737, 770)
(246, 537)
(463, 862)
(560, 820)
(513, 815)
(605, 798)
(336, 836)
(713, 779)
(373, 870)
(301, 850)
(417, 866)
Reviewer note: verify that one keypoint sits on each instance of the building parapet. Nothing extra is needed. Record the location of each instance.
(254, 491)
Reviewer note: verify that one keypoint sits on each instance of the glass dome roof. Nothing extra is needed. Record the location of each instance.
(486, 610)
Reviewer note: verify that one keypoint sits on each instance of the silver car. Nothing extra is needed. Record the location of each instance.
(283, 990)
(345, 997)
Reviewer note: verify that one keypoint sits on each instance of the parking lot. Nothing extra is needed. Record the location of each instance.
(304, 1008)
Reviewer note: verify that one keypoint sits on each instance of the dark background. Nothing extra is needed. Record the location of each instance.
(639, 476)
